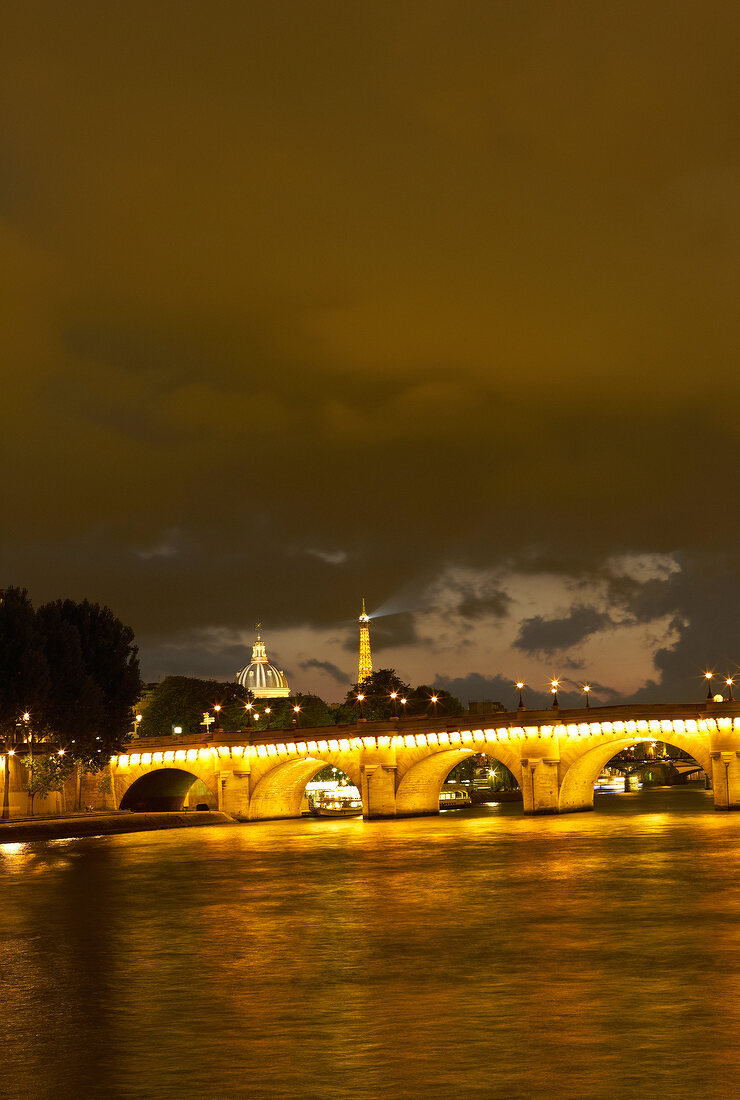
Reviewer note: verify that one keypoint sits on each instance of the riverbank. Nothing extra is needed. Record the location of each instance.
(71, 826)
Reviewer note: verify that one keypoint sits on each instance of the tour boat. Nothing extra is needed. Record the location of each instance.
(453, 796)
(337, 805)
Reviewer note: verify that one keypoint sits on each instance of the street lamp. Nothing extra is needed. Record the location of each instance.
(403, 704)
(708, 677)
(268, 712)
(361, 700)
(729, 681)
(586, 689)
(520, 687)
(394, 697)
(554, 685)
(434, 700)
(217, 708)
(248, 708)
(297, 712)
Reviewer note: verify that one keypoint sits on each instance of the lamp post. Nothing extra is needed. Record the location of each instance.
(708, 677)
(434, 701)
(248, 708)
(297, 712)
(586, 689)
(554, 685)
(520, 688)
(361, 700)
(268, 712)
(729, 681)
(403, 704)
(217, 708)
(394, 697)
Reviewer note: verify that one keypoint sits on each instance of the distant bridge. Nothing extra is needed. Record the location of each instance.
(399, 766)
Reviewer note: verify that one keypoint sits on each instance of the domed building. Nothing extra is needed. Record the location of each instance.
(260, 677)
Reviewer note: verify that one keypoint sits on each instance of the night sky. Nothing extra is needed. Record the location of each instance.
(434, 303)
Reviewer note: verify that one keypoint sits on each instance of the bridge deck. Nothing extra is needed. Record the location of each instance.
(629, 712)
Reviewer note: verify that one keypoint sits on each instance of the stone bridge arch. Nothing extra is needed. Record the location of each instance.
(165, 788)
(421, 782)
(279, 791)
(148, 776)
(581, 773)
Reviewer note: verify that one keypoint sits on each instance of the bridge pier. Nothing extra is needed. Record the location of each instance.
(234, 791)
(378, 782)
(726, 780)
(378, 790)
(540, 785)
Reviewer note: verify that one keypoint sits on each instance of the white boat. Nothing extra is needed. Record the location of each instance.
(453, 796)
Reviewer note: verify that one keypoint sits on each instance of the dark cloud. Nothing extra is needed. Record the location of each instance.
(546, 636)
(325, 305)
(326, 666)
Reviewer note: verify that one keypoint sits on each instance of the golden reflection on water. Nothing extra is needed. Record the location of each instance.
(479, 953)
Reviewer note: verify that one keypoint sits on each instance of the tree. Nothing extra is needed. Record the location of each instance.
(94, 682)
(183, 700)
(45, 774)
(420, 701)
(24, 673)
(377, 705)
(313, 712)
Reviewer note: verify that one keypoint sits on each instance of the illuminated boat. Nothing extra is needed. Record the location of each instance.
(337, 805)
(453, 796)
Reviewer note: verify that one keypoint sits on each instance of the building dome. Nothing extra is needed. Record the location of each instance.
(260, 677)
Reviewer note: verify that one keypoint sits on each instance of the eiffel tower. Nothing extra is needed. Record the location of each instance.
(365, 666)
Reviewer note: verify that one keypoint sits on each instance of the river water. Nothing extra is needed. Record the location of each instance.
(477, 954)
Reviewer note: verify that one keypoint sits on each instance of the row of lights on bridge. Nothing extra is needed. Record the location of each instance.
(711, 697)
(586, 688)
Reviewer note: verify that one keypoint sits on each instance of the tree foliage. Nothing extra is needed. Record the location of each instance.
(183, 700)
(24, 670)
(48, 773)
(378, 704)
(73, 668)
(94, 679)
(24, 674)
(313, 712)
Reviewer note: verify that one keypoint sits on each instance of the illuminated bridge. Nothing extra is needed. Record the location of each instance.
(399, 766)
